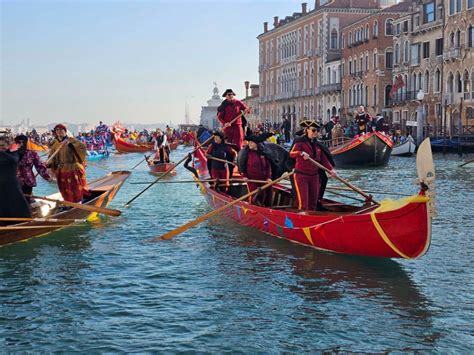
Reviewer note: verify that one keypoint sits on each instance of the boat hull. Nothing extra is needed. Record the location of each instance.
(160, 169)
(93, 155)
(103, 189)
(173, 145)
(369, 150)
(406, 149)
(125, 147)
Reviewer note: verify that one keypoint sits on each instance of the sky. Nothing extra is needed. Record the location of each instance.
(133, 61)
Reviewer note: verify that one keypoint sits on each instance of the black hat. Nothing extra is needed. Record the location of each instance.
(21, 138)
(309, 123)
(218, 133)
(258, 138)
(228, 91)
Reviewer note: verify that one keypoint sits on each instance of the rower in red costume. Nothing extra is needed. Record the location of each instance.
(218, 169)
(306, 177)
(226, 112)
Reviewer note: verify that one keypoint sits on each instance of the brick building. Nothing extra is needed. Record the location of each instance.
(458, 67)
(295, 55)
(368, 58)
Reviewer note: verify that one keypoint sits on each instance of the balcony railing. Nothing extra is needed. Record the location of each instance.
(330, 88)
(452, 54)
(357, 74)
(402, 97)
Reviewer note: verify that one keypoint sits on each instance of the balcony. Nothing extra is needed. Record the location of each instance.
(402, 97)
(357, 74)
(333, 54)
(336, 87)
(452, 54)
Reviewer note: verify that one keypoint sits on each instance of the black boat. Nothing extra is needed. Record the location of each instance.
(367, 150)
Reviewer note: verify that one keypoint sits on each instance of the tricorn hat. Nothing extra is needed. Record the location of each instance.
(309, 123)
(21, 138)
(228, 91)
(258, 138)
(219, 134)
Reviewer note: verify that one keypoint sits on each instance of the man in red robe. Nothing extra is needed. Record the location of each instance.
(227, 112)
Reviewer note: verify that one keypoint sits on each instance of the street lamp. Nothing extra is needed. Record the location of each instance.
(419, 117)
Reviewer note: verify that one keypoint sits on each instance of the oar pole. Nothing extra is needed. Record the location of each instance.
(91, 208)
(344, 181)
(164, 174)
(52, 156)
(221, 160)
(467, 162)
(202, 218)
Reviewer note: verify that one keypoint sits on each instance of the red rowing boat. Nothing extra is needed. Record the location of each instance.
(174, 145)
(393, 229)
(158, 169)
(126, 147)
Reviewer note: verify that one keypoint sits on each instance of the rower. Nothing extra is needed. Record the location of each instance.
(27, 159)
(162, 148)
(254, 165)
(307, 176)
(228, 111)
(13, 202)
(221, 150)
(69, 165)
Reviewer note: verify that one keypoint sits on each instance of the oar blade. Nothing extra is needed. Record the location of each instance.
(426, 172)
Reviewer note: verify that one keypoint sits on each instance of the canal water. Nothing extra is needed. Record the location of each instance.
(222, 287)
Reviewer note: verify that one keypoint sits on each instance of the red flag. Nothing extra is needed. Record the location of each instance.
(399, 83)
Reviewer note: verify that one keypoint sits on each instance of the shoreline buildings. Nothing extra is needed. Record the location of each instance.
(343, 53)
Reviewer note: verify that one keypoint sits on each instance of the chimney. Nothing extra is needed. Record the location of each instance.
(275, 21)
(265, 27)
(317, 4)
(304, 8)
(247, 84)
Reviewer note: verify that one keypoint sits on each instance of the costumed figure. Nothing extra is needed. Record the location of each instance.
(307, 178)
(69, 165)
(254, 165)
(362, 120)
(220, 150)
(12, 202)
(228, 111)
(162, 148)
(28, 159)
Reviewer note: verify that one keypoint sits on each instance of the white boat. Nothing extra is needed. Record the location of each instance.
(405, 149)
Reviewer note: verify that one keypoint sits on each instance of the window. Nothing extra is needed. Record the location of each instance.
(374, 99)
(406, 52)
(388, 59)
(470, 3)
(470, 34)
(429, 12)
(472, 84)
(350, 38)
(458, 83)
(458, 39)
(350, 66)
(426, 89)
(405, 26)
(466, 85)
(451, 7)
(417, 21)
(366, 62)
(333, 39)
(397, 54)
(389, 27)
(469, 113)
(399, 28)
(458, 5)
(396, 117)
(343, 41)
(367, 32)
(439, 46)
(437, 83)
(415, 54)
(426, 50)
(376, 28)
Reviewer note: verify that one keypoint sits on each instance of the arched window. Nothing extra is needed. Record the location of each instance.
(413, 82)
(466, 85)
(350, 38)
(334, 39)
(451, 40)
(458, 83)
(406, 52)
(458, 38)
(389, 27)
(472, 84)
(374, 95)
(420, 83)
(450, 83)
(366, 32)
(397, 54)
(350, 66)
(376, 29)
(328, 78)
(343, 41)
(376, 61)
(388, 88)
(388, 58)
(366, 61)
(437, 87)
(427, 82)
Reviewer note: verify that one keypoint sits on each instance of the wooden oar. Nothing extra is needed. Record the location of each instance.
(38, 227)
(202, 218)
(52, 156)
(91, 208)
(467, 162)
(221, 160)
(345, 182)
(366, 191)
(141, 161)
(196, 181)
(26, 219)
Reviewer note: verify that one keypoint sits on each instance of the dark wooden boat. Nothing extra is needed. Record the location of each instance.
(395, 229)
(126, 147)
(368, 150)
(158, 169)
(102, 191)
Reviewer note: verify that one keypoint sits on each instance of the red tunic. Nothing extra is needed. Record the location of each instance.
(234, 133)
(258, 168)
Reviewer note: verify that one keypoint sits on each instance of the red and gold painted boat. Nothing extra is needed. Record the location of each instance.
(174, 145)
(393, 229)
(158, 169)
(371, 149)
(126, 147)
(102, 191)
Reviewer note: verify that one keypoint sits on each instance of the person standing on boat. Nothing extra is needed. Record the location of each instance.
(68, 165)
(12, 202)
(254, 165)
(226, 112)
(220, 150)
(307, 179)
(28, 159)
(362, 120)
(161, 146)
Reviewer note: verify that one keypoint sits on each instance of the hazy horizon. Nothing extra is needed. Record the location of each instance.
(86, 61)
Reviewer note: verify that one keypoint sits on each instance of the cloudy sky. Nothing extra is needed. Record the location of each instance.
(134, 61)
